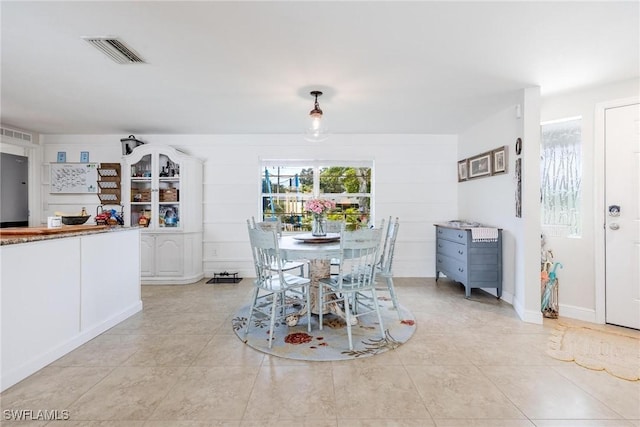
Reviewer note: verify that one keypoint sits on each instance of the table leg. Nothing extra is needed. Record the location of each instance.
(320, 269)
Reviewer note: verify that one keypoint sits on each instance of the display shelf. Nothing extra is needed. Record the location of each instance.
(109, 183)
(162, 187)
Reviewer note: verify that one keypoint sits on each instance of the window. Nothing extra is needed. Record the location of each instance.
(561, 173)
(286, 185)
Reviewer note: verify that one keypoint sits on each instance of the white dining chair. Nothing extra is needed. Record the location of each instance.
(384, 266)
(334, 226)
(355, 281)
(276, 225)
(275, 291)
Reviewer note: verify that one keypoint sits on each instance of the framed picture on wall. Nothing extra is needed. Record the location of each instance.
(480, 165)
(462, 170)
(499, 160)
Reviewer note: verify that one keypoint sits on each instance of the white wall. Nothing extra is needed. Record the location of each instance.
(577, 290)
(415, 179)
(491, 200)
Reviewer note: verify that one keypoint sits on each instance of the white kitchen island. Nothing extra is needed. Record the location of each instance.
(58, 292)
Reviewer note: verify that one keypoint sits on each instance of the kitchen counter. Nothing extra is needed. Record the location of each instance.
(12, 236)
(62, 289)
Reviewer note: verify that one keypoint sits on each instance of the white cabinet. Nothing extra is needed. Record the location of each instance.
(163, 186)
(159, 254)
(82, 286)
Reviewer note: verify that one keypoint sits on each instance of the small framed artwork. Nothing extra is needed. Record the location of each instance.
(62, 156)
(480, 165)
(84, 157)
(462, 170)
(499, 160)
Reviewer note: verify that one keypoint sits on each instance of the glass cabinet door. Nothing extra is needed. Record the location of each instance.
(141, 191)
(155, 191)
(168, 192)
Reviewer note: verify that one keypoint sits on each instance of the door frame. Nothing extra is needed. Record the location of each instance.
(599, 189)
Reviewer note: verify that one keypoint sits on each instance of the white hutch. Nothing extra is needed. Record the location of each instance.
(162, 192)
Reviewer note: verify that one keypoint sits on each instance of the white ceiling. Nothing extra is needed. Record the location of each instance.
(247, 67)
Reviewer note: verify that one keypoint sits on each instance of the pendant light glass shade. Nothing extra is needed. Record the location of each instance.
(317, 130)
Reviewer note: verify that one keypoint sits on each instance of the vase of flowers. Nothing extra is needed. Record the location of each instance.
(319, 209)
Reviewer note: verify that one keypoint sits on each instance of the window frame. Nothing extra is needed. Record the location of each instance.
(316, 165)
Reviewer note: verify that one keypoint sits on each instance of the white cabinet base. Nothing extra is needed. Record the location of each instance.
(171, 258)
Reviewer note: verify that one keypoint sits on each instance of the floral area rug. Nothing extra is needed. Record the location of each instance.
(615, 352)
(330, 343)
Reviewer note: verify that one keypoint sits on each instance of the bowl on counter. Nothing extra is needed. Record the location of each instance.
(75, 220)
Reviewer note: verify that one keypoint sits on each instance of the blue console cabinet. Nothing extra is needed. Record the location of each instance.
(475, 264)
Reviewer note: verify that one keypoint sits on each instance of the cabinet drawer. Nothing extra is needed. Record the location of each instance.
(452, 249)
(452, 268)
(452, 234)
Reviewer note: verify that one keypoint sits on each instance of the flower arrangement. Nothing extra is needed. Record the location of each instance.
(319, 206)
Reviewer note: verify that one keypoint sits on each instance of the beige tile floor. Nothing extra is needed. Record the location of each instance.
(178, 363)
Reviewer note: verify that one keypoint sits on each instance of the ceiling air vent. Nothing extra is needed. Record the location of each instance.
(115, 49)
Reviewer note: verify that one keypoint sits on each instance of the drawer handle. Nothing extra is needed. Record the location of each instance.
(461, 270)
(439, 245)
(460, 252)
(460, 236)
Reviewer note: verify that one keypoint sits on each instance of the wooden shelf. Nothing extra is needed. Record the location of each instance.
(109, 183)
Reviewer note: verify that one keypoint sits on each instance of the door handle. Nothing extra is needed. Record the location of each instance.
(614, 226)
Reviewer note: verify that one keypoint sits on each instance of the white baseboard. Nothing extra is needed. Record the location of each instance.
(578, 313)
(528, 316)
(159, 280)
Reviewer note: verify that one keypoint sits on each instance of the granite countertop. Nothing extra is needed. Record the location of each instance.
(68, 231)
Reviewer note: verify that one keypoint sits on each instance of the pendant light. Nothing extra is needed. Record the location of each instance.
(316, 131)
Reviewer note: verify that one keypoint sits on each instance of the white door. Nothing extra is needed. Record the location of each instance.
(622, 215)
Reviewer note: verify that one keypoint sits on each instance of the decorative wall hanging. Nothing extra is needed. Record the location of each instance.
(480, 165)
(462, 170)
(499, 160)
(74, 178)
(490, 163)
(518, 188)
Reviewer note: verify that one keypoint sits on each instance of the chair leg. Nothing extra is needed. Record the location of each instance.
(254, 299)
(377, 306)
(347, 315)
(394, 298)
(308, 292)
(274, 304)
(320, 305)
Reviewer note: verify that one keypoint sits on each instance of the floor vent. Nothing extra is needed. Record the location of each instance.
(15, 134)
(115, 49)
